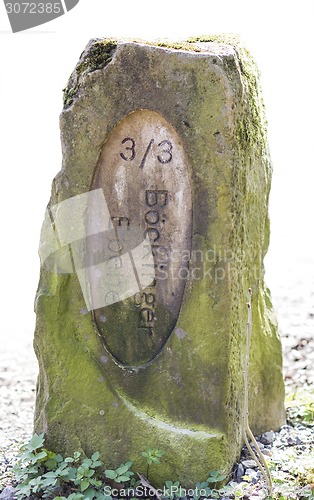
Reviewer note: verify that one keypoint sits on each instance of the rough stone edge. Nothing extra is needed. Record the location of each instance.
(99, 52)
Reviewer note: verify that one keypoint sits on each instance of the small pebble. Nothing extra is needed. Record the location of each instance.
(268, 453)
(251, 472)
(285, 427)
(239, 473)
(291, 441)
(249, 464)
(8, 493)
(268, 437)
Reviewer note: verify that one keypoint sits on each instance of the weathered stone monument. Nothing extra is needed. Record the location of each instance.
(156, 228)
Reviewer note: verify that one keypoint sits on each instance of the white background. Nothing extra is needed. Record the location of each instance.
(35, 66)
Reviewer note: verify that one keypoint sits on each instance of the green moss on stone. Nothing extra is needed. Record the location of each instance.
(252, 126)
(85, 400)
(96, 56)
(183, 45)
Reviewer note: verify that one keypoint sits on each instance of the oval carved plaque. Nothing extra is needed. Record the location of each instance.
(143, 171)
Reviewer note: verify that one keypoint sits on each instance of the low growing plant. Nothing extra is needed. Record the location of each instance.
(153, 456)
(300, 407)
(43, 474)
(122, 474)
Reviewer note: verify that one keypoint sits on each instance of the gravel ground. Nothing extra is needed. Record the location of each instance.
(294, 302)
(18, 372)
(293, 298)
